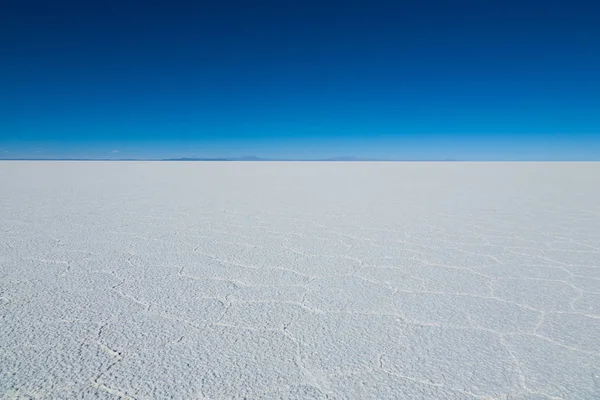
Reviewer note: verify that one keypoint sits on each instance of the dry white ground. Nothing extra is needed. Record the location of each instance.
(299, 280)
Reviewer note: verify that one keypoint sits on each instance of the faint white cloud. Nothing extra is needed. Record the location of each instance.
(115, 151)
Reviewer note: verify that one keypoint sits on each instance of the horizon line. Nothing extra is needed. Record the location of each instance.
(295, 160)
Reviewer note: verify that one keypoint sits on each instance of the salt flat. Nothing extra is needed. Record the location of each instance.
(153, 280)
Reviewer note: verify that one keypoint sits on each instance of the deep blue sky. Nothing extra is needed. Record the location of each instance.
(467, 80)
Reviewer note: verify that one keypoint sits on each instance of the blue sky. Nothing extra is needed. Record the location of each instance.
(468, 80)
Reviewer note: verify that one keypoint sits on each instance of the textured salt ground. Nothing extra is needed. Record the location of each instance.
(299, 280)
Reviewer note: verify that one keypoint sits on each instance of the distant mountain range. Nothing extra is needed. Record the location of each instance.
(243, 158)
(254, 158)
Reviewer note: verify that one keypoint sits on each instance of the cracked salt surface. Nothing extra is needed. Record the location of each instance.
(273, 280)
